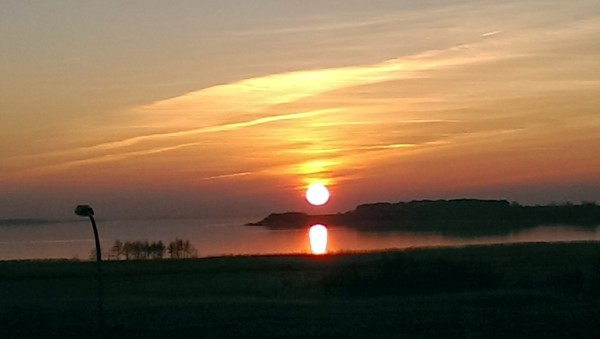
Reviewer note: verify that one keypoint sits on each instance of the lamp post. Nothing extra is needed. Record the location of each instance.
(87, 211)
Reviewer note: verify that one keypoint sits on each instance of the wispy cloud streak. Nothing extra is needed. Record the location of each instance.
(209, 129)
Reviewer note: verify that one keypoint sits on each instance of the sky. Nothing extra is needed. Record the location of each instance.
(231, 108)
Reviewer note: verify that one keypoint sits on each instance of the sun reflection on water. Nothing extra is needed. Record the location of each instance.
(318, 239)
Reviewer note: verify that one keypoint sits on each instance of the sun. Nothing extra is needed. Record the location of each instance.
(317, 194)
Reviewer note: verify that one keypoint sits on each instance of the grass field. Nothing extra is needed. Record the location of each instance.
(502, 291)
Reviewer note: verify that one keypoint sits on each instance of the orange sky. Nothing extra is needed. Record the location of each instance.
(218, 108)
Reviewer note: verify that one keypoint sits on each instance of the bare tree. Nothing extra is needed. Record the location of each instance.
(180, 249)
(117, 249)
(127, 250)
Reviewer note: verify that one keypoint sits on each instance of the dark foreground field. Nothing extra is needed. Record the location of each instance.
(504, 291)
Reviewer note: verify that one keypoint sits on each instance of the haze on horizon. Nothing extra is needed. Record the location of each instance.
(205, 108)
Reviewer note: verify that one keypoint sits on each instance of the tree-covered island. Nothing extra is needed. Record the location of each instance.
(458, 217)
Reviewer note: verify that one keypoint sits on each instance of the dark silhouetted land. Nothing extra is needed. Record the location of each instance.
(501, 291)
(462, 217)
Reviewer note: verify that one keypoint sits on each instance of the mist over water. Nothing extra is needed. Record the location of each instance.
(214, 237)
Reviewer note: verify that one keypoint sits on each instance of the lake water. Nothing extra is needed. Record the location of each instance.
(74, 239)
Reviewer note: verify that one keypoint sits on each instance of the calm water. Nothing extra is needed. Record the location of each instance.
(223, 237)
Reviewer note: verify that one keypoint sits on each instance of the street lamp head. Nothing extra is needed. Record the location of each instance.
(84, 211)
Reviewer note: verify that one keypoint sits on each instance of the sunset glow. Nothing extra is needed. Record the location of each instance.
(205, 109)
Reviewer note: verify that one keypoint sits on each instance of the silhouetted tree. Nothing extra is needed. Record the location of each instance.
(140, 250)
(179, 249)
(172, 249)
(117, 249)
(157, 250)
(127, 250)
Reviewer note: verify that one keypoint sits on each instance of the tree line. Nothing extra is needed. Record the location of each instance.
(145, 250)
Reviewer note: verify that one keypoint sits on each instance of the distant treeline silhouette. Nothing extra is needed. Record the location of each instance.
(465, 217)
(144, 250)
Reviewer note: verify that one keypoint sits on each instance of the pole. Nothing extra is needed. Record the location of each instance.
(99, 277)
(87, 211)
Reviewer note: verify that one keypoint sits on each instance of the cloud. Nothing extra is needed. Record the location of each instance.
(210, 108)
(202, 130)
(228, 176)
(115, 157)
(392, 106)
(488, 34)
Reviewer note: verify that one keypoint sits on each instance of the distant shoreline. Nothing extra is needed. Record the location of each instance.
(28, 221)
(461, 217)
